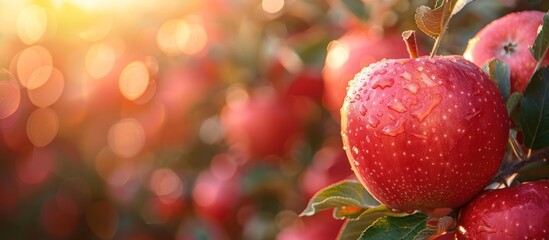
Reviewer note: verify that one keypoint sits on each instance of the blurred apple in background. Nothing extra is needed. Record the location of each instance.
(259, 126)
(350, 53)
(329, 166)
(321, 226)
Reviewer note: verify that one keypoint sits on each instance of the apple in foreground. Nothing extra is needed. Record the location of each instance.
(350, 53)
(424, 133)
(510, 213)
(508, 39)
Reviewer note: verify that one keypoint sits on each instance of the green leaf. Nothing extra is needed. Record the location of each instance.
(395, 227)
(541, 43)
(353, 228)
(534, 111)
(513, 101)
(426, 234)
(500, 73)
(342, 195)
(358, 8)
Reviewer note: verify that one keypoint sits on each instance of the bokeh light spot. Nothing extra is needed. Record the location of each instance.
(182, 36)
(42, 127)
(10, 98)
(166, 185)
(338, 54)
(272, 6)
(126, 138)
(134, 80)
(49, 92)
(100, 60)
(31, 24)
(34, 66)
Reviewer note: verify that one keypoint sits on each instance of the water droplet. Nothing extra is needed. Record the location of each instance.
(475, 112)
(343, 134)
(453, 59)
(406, 75)
(411, 87)
(355, 150)
(394, 130)
(362, 110)
(420, 69)
(428, 82)
(431, 60)
(382, 83)
(367, 139)
(397, 106)
(372, 121)
(426, 109)
(356, 162)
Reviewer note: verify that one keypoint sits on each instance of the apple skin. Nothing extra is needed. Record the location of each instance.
(261, 126)
(424, 133)
(492, 42)
(510, 213)
(361, 48)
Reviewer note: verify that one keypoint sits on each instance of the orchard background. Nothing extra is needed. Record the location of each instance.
(214, 119)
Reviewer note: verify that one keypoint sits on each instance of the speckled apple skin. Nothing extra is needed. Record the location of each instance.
(520, 28)
(519, 212)
(424, 133)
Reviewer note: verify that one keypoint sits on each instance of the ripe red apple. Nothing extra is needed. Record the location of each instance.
(329, 166)
(424, 133)
(260, 126)
(350, 53)
(518, 212)
(508, 38)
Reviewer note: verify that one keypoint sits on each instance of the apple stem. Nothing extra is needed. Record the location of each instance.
(409, 38)
(514, 168)
(517, 149)
(437, 41)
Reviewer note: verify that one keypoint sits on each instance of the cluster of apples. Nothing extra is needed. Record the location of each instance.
(429, 134)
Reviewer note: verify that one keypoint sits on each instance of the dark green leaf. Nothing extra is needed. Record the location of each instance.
(357, 7)
(500, 73)
(346, 193)
(353, 228)
(513, 101)
(534, 111)
(395, 227)
(541, 43)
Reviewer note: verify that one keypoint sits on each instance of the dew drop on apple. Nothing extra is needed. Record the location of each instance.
(394, 130)
(420, 69)
(373, 121)
(355, 149)
(382, 83)
(367, 139)
(362, 110)
(356, 162)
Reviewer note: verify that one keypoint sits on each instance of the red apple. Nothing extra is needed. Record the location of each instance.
(424, 133)
(260, 126)
(216, 197)
(518, 212)
(321, 226)
(329, 166)
(508, 38)
(348, 55)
